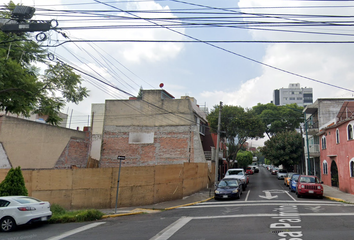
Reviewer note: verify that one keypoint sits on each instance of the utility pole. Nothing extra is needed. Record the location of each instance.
(307, 146)
(217, 146)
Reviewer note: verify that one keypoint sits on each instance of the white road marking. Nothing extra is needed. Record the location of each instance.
(77, 230)
(172, 229)
(291, 196)
(272, 201)
(248, 193)
(260, 204)
(268, 195)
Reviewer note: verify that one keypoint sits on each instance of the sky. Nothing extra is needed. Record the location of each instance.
(234, 51)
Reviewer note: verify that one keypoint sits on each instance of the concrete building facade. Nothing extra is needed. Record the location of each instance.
(154, 130)
(293, 94)
(34, 145)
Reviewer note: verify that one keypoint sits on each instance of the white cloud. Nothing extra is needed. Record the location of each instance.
(328, 63)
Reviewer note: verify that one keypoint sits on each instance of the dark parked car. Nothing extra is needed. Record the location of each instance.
(228, 188)
(309, 186)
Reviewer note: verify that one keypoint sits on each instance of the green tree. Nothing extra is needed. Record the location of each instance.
(13, 184)
(237, 125)
(244, 158)
(279, 118)
(284, 148)
(23, 90)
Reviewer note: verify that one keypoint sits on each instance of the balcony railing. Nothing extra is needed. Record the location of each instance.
(314, 150)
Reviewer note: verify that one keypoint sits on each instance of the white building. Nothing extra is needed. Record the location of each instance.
(293, 94)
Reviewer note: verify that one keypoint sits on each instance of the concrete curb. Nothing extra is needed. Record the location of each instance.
(334, 199)
(152, 210)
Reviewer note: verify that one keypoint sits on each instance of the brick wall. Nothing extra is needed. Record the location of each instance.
(75, 154)
(171, 145)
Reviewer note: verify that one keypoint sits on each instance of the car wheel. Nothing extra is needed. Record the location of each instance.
(298, 195)
(320, 197)
(7, 224)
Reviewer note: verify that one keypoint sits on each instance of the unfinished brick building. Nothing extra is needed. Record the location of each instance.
(156, 129)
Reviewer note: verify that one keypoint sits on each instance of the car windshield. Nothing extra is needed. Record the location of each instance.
(282, 171)
(228, 183)
(308, 180)
(295, 177)
(235, 172)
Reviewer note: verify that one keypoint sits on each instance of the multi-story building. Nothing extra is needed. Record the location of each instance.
(156, 129)
(319, 115)
(293, 94)
(337, 150)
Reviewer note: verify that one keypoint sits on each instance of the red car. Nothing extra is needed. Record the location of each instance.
(308, 185)
(249, 171)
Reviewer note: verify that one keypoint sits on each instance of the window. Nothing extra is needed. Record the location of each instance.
(324, 143)
(292, 98)
(351, 165)
(337, 136)
(299, 98)
(324, 166)
(350, 130)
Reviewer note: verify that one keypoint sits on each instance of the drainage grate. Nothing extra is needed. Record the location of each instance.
(277, 231)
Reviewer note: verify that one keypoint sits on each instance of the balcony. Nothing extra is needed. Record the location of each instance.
(312, 128)
(314, 150)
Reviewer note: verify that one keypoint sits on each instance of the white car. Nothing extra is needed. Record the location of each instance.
(19, 210)
(238, 173)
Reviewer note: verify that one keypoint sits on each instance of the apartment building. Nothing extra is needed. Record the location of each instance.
(293, 94)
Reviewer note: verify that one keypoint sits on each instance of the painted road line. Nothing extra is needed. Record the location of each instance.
(77, 230)
(268, 201)
(171, 229)
(291, 196)
(263, 204)
(248, 193)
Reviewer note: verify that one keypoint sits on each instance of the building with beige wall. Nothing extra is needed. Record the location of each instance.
(156, 129)
(34, 145)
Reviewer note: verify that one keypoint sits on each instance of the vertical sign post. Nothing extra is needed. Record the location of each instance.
(120, 158)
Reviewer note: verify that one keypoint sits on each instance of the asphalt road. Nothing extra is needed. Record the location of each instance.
(266, 210)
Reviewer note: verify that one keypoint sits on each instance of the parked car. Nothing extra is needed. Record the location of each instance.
(255, 168)
(293, 182)
(287, 179)
(309, 186)
(238, 173)
(274, 171)
(281, 174)
(228, 188)
(20, 210)
(249, 170)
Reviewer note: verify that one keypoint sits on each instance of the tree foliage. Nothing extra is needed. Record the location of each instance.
(23, 90)
(285, 148)
(244, 158)
(237, 125)
(13, 184)
(279, 118)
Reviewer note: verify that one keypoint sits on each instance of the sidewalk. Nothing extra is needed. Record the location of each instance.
(201, 196)
(331, 193)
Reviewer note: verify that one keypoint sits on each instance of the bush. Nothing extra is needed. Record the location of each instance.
(60, 215)
(13, 184)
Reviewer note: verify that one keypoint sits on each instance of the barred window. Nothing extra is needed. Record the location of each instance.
(324, 165)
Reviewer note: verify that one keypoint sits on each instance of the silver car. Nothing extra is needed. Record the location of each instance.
(282, 173)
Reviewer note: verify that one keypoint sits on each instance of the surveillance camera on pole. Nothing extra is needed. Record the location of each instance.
(19, 22)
